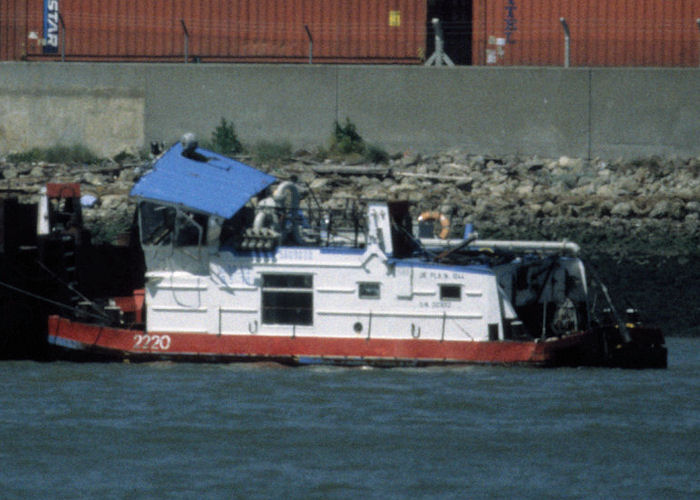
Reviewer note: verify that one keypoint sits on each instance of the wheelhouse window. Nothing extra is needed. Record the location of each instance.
(157, 223)
(287, 299)
(163, 225)
(450, 292)
(368, 290)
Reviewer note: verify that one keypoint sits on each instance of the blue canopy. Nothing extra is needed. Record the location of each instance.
(203, 182)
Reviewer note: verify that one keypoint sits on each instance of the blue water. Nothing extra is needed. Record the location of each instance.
(263, 431)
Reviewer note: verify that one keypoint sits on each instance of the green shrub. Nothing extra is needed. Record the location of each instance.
(346, 140)
(271, 153)
(128, 157)
(224, 139)
(76, 153)
(33, 155)
(375, 154)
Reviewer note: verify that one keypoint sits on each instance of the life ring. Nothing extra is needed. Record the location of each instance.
(437, 216)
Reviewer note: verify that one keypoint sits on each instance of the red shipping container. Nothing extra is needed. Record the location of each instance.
(622, 33)
(384, 31)
(502, 32)
(13, 33)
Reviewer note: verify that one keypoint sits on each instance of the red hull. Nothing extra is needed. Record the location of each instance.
(111, 342)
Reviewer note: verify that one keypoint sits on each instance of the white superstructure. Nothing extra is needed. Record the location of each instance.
(357, 291)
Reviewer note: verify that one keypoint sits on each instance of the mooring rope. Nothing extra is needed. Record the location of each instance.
(50, 301)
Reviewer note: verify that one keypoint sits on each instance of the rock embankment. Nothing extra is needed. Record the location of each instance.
(637, 221)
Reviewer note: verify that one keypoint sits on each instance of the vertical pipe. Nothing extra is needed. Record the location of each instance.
(444, 319)
(369, 326)
(567, 41)
(544, 320)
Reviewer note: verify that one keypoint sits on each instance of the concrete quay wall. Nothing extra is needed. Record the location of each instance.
(549, 112)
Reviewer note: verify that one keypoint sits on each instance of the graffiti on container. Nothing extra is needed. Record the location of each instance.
(511, 22)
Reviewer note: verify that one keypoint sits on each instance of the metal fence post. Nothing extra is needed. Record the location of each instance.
(187, 38)
(63, 37)
(311, 44)
(697, 21)
(567, 41)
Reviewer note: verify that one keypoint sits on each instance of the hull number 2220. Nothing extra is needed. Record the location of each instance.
(152, 342)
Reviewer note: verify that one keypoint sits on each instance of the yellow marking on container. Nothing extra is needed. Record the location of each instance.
(395, 18)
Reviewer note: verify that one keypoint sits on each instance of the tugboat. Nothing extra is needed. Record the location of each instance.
(243, 267)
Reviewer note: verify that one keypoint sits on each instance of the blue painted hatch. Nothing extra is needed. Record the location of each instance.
(216, 185)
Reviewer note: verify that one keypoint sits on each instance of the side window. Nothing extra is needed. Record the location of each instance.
(161, 225)
(368, 290)
(157, 224)
(287, 299)
(450, 292)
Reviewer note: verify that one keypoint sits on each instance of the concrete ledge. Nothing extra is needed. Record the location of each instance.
(578, 112)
